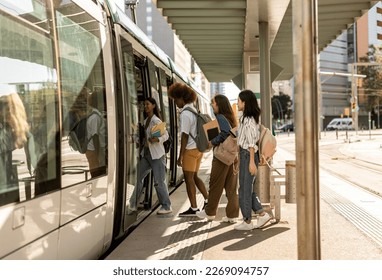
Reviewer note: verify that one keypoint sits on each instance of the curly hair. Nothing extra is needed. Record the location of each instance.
(183, 91)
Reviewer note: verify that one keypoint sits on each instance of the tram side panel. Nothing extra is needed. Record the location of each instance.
(58, 200)
(29, 185)
(83, 86)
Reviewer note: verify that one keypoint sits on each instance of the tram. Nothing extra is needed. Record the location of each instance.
(60, 60)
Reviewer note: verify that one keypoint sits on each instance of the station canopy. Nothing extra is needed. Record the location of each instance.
(218, 32)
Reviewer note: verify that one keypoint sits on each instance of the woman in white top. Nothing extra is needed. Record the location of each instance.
(153, 158)
(248, 136)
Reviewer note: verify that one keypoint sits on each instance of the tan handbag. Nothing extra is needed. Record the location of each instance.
(227, 151)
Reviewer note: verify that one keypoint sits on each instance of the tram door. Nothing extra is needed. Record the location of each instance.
(129, 135)
(153, 90)
(168, 105)
(158, 90)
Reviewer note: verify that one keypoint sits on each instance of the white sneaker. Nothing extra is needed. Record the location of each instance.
(164, 211)
(262, 220)
(229, 220)
(203, 215)
(245, 226)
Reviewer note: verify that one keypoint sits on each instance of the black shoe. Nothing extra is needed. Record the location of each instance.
(189, 213)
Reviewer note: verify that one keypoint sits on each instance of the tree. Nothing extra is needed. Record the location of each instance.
(281, 106)
(372, 84)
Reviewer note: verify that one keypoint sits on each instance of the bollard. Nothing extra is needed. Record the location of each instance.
(262, 184)
(290, 181)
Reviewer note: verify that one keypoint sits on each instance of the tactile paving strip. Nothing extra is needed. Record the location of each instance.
(364, 221)
(188, 240)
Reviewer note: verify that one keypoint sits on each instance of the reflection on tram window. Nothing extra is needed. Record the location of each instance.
(28, 85)
(134, 84)
(83, 95)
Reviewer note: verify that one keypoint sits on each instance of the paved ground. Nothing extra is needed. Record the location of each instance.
(178, 238)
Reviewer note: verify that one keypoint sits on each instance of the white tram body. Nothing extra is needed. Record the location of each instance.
(55, 56)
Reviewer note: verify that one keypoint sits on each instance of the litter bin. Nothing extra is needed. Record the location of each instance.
(262, 184)
(290, 181)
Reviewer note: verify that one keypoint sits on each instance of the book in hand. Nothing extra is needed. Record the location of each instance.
(211, 129)
(158, 130)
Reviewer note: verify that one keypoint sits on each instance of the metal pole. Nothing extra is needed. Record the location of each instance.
(356, 102)
(378, 112)
(305, 51)
(132, 6)
(265, 76)
(133, 13)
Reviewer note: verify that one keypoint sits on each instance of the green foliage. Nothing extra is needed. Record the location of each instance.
(281, 106)
(372, 84)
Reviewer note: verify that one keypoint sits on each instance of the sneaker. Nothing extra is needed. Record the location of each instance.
(262, 220)
(203, 215)
(244, 226)
(188, 213)
(229, 220)
(164, 211)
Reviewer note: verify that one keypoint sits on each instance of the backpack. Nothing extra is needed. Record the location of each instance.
(267, 145)
(77, 136)
(167, 144)
(200, 138)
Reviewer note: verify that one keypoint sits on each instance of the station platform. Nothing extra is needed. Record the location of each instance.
(178, 238)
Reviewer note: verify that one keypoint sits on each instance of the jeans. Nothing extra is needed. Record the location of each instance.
(158, 166)
(248, 199)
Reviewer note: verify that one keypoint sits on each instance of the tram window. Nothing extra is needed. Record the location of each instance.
(28, 146)
(133, 80)
(83, 94)
(154, 84)
(165, 99)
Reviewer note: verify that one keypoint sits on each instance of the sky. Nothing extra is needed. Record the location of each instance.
(232, 91)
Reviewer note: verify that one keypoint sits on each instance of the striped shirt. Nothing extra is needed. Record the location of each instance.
(248, 133)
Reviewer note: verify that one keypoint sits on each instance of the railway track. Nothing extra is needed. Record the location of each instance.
(352, 186)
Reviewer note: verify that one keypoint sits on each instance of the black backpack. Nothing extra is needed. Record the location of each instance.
(167, 144)
(77, 136)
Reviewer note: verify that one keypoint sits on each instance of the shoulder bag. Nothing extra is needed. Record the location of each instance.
(227, 151)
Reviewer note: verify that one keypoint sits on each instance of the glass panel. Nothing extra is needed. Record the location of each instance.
(133, 125)
(84, 142)
(165, 99)
(166, 118)
(155, 86)
(28, 146)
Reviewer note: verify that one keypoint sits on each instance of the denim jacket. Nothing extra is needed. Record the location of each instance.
(225, 127)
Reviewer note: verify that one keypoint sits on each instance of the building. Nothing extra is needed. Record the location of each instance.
(218, 88)
(151, 22)
(336, 91)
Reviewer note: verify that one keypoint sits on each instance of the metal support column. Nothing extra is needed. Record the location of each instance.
(265, 76)
(305, 58)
